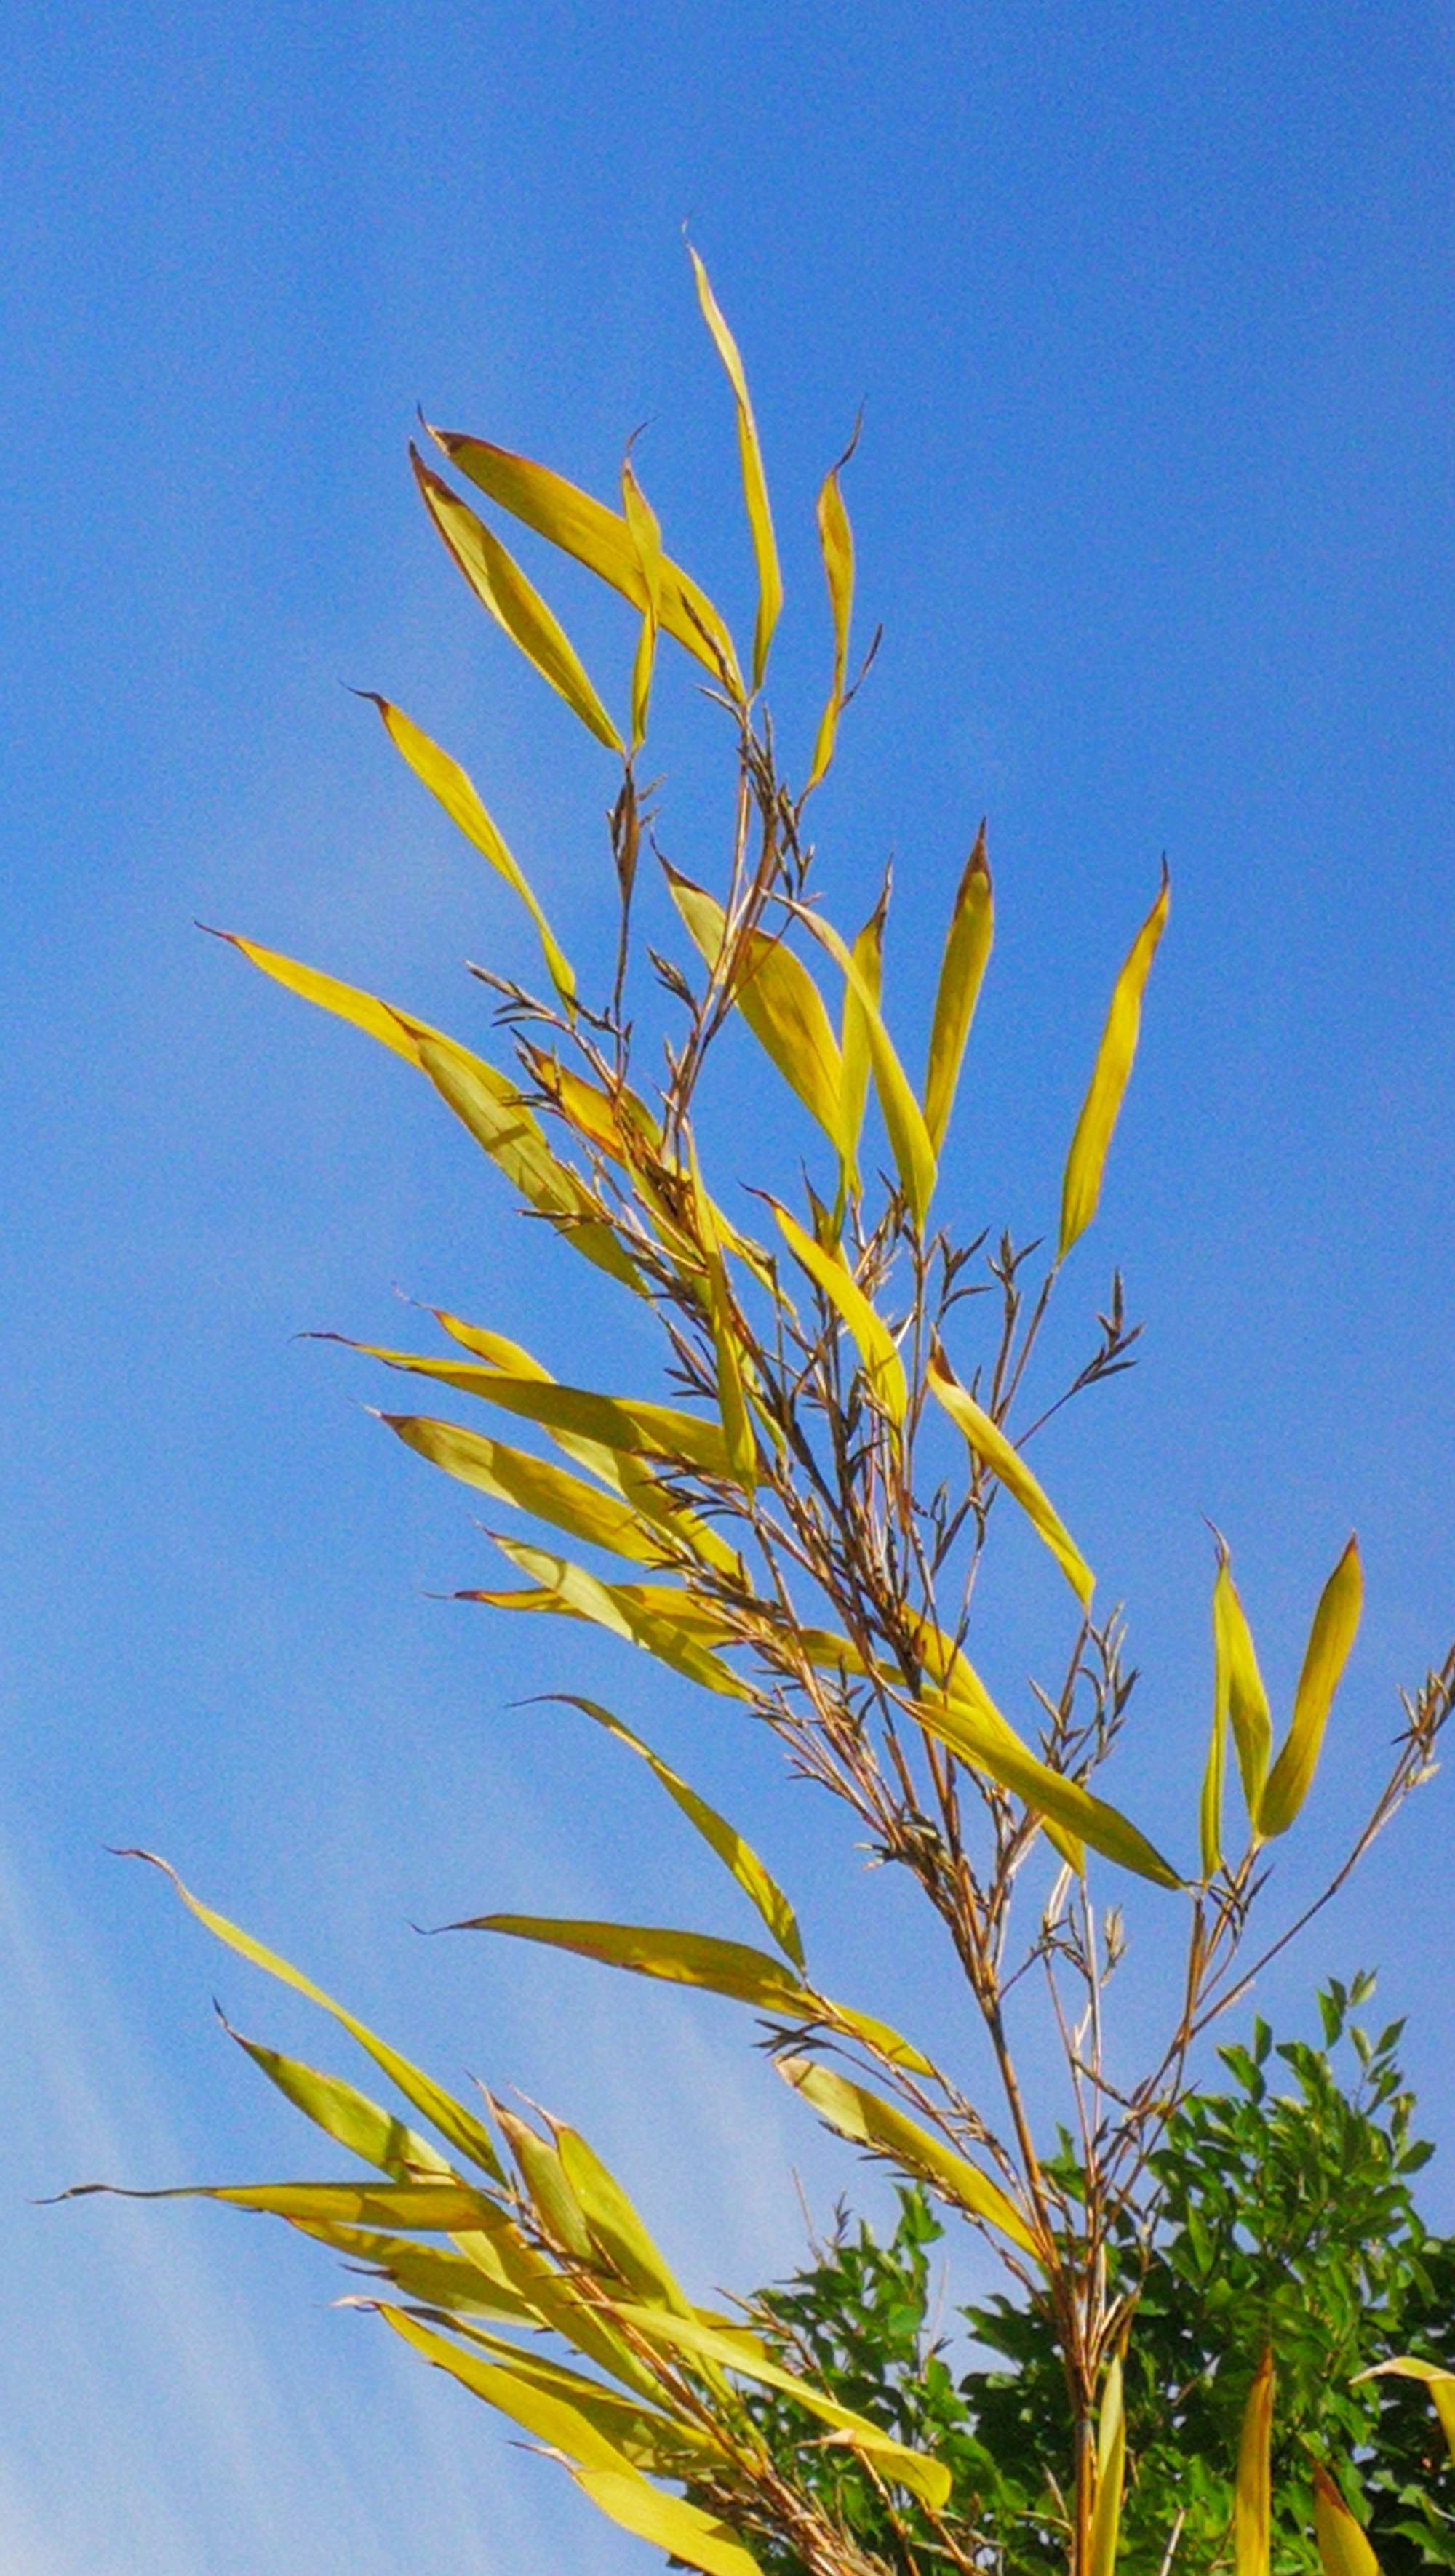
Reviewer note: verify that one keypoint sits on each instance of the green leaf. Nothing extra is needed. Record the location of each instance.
(345, 2114)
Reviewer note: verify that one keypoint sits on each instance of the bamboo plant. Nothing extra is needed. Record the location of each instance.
(795, 1523)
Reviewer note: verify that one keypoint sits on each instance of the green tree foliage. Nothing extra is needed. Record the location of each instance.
(1287, 2220)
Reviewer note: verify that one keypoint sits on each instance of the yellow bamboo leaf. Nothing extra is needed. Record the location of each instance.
(456, 792)
(737, 1856)
(345, 2114)
(927, 2478)
(836, 545)
(433, 2206)
(540, 2411)
(956, 1676)
(597, 537)
(698, 2539)
(1440, 2383)
(755, 488)
(732, 1393)
(870, 1334)
(620, 1423)
(909, 1138)
(663, 2445)
(780, 1002)
(616, 2225)
(646, 538)
(1210, 1801)
(1240, 1686)
(1342, 2547)
(516, 605)
(457, 2126)
(1336, 1623)
(1253, 2489)
(868, 955)
(978, 1733)
(531, 1485)
(1081, 1187)
(989, 1444)
(887, 2131)
(962, 972)
(571, 1591)
(1111, 2457)
(429, 2273)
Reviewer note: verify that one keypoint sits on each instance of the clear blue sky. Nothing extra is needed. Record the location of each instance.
(1150, 313)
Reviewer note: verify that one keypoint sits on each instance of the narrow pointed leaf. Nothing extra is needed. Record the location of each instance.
(989, 1444)
(456, 792)
(597, 537)
(500, 586)
(909, 1138)
(1440, 2383)
(887, 2131)
(984, 1739)
(540, 2411)
(436, 2207)
(429, 2273)
(649, 2440)
(1342, 2547)
(868, 955)
(1239, 1687)
(1253, 2489)
(1336, 1623)
(569, 1589)
(962, 971)
(732, 1397)
(870, 1334)
(346, 2115)
(616, 2225)
(780, 1002)
(1111, 2455)
(531, 1485)
(737, 1856)
(836, 545)
(1081, 1187)
(698, 2539)
(646, 538)
(928, 2478)
(457, 2126)
(755, 488)
(623, 1423)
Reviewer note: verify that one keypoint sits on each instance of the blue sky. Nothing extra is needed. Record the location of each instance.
(1149, 314)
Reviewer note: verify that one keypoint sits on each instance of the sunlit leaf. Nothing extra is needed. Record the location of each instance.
(499, 584)
(1253, 2489)
(978, 1733)
(439, 2277)
(543, 2412)
(599, 538)
(732, 1394)
(1239, 1698)
(345, 2114)
(1343, 2549)
(532, 1485)
(639, 1429)
(457, 2126)
(780, 1002)
(698, 2539)
(433, 2206)
(1336, 1623)
(646, 538)
(909, 1138)
(1440, 2383)
(887, 2131)
(836, 545)
(570, 1591)
(989, 1444)
(1081, 1188)
(755, 488)
(1111, 2453)
(616, 2225)
(737, 1856)
(447, 781)
(962, 971)
(868, 956)
(870, 1334)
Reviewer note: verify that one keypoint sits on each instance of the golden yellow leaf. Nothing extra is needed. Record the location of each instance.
(755, 488)
(598, 538)
(962, 971)
(532, 1485)
(871, 1336)
(621, 1423)
(571, 1591)
(989, 1444)
(736, 1855)
(1253, 2489)
(732, 1394)
(345, 2114)
(1343, 2549)
(543, 2412)
(836, 544)
(1440, 2383)
(646, 538)
(516, 605)
(698, 2539)
(434, 2206)
(780, 1002)
(448, 783)
(978, 1733)
(887, 2131)
(1239, 1701)
(909, 1138)
(1336, 1623)
(868, 956)
(615, 2223)
(1081, 1188)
